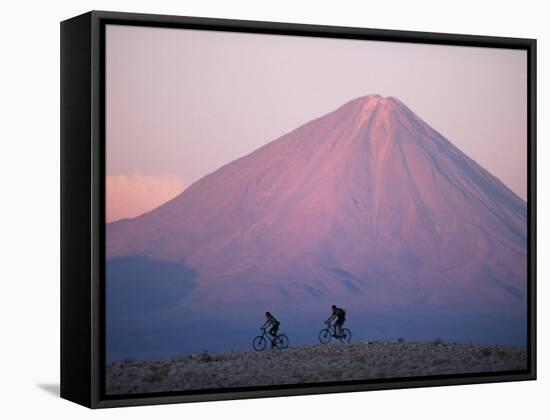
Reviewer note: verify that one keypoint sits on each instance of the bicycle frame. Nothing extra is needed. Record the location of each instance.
(331, 327)
(268, 336)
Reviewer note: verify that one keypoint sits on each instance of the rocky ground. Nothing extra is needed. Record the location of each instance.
(310, 364)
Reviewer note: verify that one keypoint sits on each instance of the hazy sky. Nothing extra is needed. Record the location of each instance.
(181, 103)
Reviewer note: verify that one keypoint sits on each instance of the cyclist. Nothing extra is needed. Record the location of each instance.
(340, 315)
(270, 320)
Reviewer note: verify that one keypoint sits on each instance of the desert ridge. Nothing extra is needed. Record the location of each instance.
(310, 364)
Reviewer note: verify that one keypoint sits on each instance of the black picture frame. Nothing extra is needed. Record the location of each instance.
(83, 199)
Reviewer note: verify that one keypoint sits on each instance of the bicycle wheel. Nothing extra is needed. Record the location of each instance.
(325, 336)
(281, 342)
(345, 336)
(259, 343)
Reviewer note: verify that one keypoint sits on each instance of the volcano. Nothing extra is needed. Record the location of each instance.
(366, 206)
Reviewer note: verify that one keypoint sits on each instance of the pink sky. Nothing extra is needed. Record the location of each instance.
(181, 103)
(132, 195)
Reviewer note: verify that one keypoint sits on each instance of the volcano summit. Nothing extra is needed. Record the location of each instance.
(366, 206)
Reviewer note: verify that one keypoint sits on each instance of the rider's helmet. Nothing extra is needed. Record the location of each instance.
(267, 314)
(333, 306)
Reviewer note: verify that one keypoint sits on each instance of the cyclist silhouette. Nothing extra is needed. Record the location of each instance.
(270, 320)
(340, 315)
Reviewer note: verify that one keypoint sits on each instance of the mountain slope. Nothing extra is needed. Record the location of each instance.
(366, 205)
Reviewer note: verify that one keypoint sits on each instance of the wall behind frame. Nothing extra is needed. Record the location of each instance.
(30, 214)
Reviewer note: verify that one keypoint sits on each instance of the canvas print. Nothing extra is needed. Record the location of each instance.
(286, 210)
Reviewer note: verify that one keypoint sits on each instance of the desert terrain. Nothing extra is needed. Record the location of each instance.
(310, 364)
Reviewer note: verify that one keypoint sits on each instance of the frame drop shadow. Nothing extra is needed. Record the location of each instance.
(52, 389)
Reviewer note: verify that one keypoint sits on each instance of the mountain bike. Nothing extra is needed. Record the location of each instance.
(280, 341)
(329, 332)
